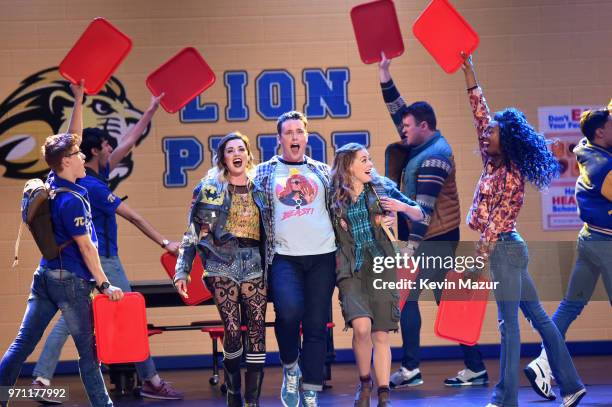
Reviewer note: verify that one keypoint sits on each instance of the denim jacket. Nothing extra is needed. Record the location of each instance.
(210, 205)
(263, 195)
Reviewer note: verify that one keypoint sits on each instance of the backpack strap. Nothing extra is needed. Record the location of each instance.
(16, 258)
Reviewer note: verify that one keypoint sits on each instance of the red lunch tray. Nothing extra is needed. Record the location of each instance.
(444, 33)
(95, 55)
(377, 29)
(181, 78)
(196, 289)
(121, 329)
(461, 313)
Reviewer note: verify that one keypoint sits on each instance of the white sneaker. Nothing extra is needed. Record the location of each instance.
(405, 378)
(467, 377)
(572, 400)
(540, 376)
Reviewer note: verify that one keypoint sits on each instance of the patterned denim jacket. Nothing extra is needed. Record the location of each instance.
(214, 201)
(263, 195)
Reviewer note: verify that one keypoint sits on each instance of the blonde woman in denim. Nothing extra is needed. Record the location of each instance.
(513, 153)
(224, 228)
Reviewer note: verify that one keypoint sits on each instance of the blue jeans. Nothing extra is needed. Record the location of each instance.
(47, 362)
(72, 295)
(301, 288)
(410, 321)
(594, 258)
(508, 265)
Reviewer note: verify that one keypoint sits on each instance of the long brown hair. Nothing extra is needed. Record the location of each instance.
(342, 184)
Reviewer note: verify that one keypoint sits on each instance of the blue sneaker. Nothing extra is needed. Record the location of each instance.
(309, 398)
(289, 391)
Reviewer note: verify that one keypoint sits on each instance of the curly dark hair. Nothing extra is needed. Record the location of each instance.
(526, 148)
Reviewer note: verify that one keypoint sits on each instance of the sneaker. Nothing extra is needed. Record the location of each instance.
(163, 392)
(492, 405)
(44, 399)
(309, 398)
(289, 391)
(539, 375)
(404, 378)
(572, 400)
(467, 377)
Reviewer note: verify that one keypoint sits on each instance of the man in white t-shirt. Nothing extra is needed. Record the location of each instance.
(292, 192)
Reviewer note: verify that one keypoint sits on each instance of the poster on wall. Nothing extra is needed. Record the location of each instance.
(561, 124)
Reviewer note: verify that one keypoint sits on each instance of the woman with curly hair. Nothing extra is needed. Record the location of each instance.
(224, 228)
(513, 153)
(361, 199)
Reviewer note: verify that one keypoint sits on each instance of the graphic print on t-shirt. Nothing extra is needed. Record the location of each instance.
(296, 192)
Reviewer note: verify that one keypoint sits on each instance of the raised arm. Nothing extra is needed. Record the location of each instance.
(393, 100)
(478, 103)
(75, 125)
(130, 139)
(145, 227)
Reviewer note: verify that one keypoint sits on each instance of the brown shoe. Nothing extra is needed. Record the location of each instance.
(362, 396)
(384, 399)
(163, 392)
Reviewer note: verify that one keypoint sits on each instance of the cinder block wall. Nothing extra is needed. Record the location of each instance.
(533, 53)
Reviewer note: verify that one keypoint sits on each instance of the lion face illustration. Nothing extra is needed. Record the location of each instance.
(42, 105)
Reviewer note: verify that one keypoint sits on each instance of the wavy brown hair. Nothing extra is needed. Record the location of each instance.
(220, 168)
(342, 184)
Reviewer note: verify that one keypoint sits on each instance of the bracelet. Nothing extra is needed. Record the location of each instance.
(472, 88)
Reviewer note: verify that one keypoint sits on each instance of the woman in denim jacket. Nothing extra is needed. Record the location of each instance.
(361, 199)
(224, 228)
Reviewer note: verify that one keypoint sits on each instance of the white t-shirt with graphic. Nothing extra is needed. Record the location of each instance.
(302, 224)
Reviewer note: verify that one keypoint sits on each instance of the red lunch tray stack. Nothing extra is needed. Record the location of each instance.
(461, 312)
(196, 289)
(445, 34)
(95, 55)
(182, 78)
(377, 30)
(121, 329)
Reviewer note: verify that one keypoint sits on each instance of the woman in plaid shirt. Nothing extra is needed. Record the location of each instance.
(361, 199)
(513, 153)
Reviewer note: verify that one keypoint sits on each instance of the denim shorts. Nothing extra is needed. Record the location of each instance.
(245, 266)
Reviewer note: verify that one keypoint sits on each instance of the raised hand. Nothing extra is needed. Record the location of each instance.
(155, 100)
(78, 90)
(383, 68)
(468, 70)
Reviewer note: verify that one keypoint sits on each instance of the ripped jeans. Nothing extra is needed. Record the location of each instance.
(508, 265)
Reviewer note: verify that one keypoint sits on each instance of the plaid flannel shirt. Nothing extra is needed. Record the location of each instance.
(263, 194)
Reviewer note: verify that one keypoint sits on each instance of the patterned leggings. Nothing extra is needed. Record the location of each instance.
(230, 297)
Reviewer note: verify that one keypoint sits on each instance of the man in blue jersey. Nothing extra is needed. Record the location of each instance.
(594, 246)
(66, 282)
(100, 160)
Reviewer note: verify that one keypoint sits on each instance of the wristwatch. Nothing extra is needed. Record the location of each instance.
(103, 287)
(165, 243)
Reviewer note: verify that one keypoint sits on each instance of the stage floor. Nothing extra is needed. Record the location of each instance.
(596, 373)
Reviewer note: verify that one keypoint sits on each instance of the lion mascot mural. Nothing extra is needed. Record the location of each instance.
(41, 106)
